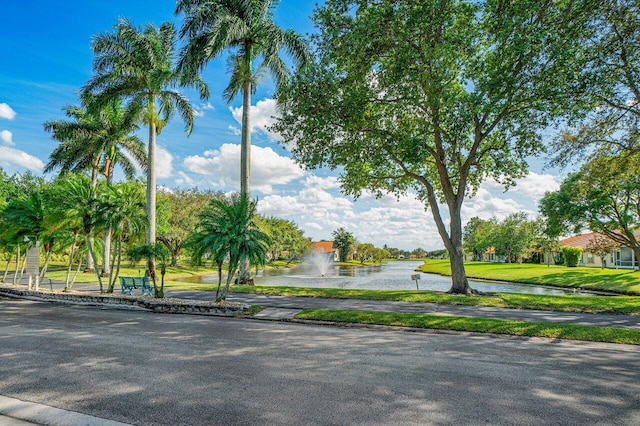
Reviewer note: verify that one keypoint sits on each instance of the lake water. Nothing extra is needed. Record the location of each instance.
(390, 276)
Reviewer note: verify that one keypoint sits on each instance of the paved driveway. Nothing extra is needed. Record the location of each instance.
(142, 368)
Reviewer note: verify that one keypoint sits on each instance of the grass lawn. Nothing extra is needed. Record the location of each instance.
(624, 281)
(482, 325)
(626, 305)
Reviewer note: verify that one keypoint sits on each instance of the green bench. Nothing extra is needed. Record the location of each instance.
(127, 284)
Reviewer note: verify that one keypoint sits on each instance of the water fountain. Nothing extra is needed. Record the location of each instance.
(322, 261)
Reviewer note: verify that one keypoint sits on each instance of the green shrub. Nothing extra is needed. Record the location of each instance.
(571, 255)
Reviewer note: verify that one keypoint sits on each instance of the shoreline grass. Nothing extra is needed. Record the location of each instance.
(478, 325)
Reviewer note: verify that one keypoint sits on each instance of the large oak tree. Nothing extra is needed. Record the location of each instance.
(433, 97)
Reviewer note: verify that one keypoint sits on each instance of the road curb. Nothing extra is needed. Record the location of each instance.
(47, 415)
(169, 306)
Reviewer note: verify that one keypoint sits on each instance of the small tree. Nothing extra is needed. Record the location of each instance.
(600, 245)
(571, 255)
(343, 240)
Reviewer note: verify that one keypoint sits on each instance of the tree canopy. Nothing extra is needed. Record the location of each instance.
(433, 97)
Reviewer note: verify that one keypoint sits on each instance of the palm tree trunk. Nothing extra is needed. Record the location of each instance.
(24, 266)
(219, 281)
(94, 184)
(117, 257)
(112, 277)
(245, 148)
(225, 290)
(73, 280)
(92, 253)
(106, 253)
(245, 163)
(47, 257)
(151, 183)
(6, 270)
(15, 273)
(71, 256)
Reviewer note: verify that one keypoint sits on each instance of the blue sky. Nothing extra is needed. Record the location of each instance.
(45, 59)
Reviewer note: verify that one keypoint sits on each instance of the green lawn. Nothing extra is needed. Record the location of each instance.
(626, 305)
(481, 325)
(622, 281)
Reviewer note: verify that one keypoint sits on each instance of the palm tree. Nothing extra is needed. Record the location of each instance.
(123, 210)
(97, 138)
(228, 228)
(137, 65)
(246, 28)
(76, 206)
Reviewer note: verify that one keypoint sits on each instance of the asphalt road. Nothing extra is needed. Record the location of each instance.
(142, 368)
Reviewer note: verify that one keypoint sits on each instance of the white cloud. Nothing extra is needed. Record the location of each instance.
(7, 112)
(267, 167)
(486, 205)
(535, 185)
(15, 157)
(329, 182)
(263, 115)
(234, 130)
(199, 110)
(7, 137)
(164, 166)
(405, 223)
(185, 179)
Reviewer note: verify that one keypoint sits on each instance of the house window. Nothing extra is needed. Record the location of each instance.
(590, 258)
(624, 257)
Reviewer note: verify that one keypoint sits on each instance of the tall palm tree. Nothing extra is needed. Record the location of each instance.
(228, 228)
(97, 137)
(246, 28)
(137, 64)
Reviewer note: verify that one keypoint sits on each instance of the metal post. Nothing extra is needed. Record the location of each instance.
(416, 277)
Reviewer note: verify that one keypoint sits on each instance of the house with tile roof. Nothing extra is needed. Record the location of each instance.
(621, 257)
(326, 247)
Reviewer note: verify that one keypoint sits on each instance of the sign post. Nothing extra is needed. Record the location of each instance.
(33, 263)
(416, 277)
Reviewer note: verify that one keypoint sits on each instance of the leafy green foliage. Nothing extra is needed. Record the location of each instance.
(432, 98)
(228, 229)
(136, 64)
(571, 255)
(183, 206)
(287, 240)
(343, 240)
(246, 29)
(611, 74)
(603, 196)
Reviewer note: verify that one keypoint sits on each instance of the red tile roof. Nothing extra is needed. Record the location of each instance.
(323, 246)
(579, 240)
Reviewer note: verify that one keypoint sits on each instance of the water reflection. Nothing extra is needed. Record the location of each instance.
(390, 276)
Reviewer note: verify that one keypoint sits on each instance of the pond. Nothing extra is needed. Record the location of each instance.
(390, 276)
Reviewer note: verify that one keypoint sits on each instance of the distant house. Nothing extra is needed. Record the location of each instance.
(621, 257)
(326, 247)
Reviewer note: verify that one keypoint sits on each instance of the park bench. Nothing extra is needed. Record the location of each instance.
(127, 284)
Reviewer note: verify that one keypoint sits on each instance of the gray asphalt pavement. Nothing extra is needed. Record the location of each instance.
(152, 369)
